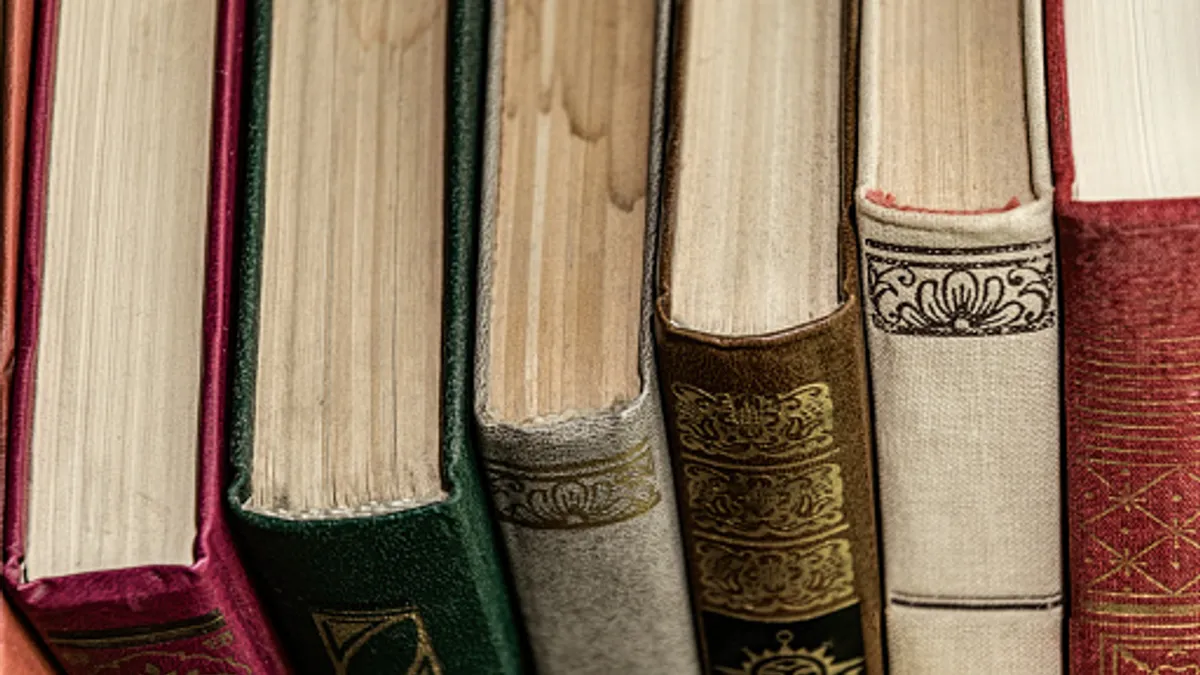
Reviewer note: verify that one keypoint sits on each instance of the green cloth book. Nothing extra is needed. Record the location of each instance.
(372, 547)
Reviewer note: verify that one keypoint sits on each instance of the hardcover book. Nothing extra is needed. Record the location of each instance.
(760, 340)
(1122, 91)
(116, 547)
(18, 652)
(959, 281)
(567, 400)
(355, 494)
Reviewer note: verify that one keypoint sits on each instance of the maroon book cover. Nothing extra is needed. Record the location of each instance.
(1131, 343)
(199, 619)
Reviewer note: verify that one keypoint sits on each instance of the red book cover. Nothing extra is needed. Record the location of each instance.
(18, 651)
(1131, 350)
(198, 619)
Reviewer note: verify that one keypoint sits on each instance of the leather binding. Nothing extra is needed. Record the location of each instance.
(966, 408)
(201, 618)
(603, 589)
(418, 590)
(18, 651)
(1131, 352)
(786, 412)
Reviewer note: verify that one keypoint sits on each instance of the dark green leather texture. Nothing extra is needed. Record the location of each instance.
(399, 592)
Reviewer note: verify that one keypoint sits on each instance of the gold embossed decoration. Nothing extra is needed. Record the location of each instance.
(575, 495)
(765, 499)
(800, 583)
(787, 660)
(754, 427)
(765, 503)
(345, 633)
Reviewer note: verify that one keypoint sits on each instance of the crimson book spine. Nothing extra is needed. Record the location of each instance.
(1131, 351)
(201, 618)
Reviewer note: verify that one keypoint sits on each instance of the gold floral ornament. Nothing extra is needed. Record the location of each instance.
(575, 495)
(793, 584)
(765, 503)
(754, 427)
(788, 660)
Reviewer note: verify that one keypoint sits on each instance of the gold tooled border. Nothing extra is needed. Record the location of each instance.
(121, 638)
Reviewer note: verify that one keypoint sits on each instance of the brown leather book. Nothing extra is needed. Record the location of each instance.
(760, 339)
(18, 652)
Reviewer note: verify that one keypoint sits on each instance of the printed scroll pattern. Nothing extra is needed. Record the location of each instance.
(765, 502)
(787, 660)
(345, 634)
(960, 292)
(576, 495)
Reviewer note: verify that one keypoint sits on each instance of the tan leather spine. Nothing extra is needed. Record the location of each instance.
(786, 413)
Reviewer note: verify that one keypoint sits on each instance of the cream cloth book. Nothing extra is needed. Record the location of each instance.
(958, 267)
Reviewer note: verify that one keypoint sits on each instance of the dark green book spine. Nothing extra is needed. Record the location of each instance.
(415, 591)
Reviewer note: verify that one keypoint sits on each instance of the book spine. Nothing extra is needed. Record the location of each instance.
(198, 625)
(770, 440)
(1131, 359)
(587, 511)
(962, 336)
(413, 591)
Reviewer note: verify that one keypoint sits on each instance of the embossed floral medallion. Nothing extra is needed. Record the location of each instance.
(575, 495)
(750, 427)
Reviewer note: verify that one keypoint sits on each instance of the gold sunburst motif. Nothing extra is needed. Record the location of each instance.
(788, 660)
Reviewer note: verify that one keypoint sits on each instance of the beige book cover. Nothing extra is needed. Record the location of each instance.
(567, 400)
(959, 285)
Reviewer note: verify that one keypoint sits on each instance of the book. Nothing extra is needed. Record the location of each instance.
(19, 653)
(1128, 205)
(958, 272)
(355, 497)
(759, 333)
(567, 404)
(116, 548)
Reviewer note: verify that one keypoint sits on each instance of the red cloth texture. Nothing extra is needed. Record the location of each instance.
(1131, 352)
(203, 618)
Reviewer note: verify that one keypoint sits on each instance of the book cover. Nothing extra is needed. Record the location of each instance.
(1131, 340)
(584, 494)
(203, 617)
(770, 432)
(19, 653)
(958, 264)
(959, 277)
(414, 589)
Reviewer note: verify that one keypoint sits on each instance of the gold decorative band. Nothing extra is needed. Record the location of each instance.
(122, 638)
(575, 495)
(779, 584)
(765, 503)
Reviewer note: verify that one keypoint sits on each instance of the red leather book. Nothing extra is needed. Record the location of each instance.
(1131, 318)
(18, 651)
(200, 618)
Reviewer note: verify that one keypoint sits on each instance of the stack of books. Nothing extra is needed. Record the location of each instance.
(737, 337)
